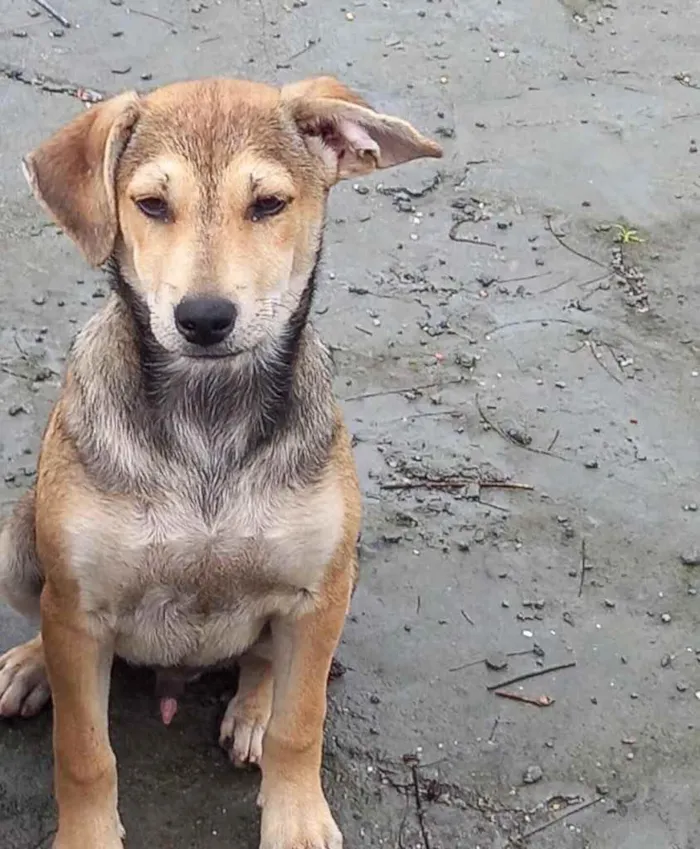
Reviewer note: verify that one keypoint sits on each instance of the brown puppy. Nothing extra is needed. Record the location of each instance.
(196, 499)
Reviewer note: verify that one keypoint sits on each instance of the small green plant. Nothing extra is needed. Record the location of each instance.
(626, 235)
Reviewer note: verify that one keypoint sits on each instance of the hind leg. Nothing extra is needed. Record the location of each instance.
(24, 687)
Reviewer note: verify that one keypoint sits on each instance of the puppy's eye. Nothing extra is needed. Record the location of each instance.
(266, 207)
(153, 207)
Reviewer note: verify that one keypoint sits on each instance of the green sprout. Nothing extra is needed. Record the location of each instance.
(626, 235)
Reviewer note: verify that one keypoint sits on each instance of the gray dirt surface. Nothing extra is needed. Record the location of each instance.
(560, 119)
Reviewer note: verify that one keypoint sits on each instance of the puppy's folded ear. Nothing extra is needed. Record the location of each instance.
(73, 174)
(347, 135)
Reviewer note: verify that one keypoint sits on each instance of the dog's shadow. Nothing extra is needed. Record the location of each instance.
(177, 788)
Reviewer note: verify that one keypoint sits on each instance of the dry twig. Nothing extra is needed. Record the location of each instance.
(57, 16)
(499, 430)
(454, 483)
(568, 247)
(583, 566)
(527, 675)
(382, 392)
(561, 817)
(455, 238)
(539, 701)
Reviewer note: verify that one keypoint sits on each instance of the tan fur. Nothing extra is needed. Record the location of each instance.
(192, 510)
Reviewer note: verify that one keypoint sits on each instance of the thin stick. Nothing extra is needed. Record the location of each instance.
(431, 414)
(419, 808)
(456, 483)
(8, 370)
(150, 15)
(402, 845)
(554, 440)
(556, 286)
(381, 392)
(311, 42)
(493, 506)
(597, 279)
(526, 277)
(527, 675)
(57, 16)
(561, 817)
(51, 86)
(467, 665)
(568, 247)
(467, 617)
(505, 485)
(600, 362)
(540, 701)
(530, 321)
(455, 238)
(483, 660)
(583, 566)
(502, 433)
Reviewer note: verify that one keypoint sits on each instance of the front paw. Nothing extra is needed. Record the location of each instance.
(294, 820)
(89, 833)
(77, 841)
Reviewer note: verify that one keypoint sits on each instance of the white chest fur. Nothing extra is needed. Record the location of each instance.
(177, 589)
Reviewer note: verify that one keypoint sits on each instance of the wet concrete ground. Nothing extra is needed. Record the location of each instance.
(506, 351)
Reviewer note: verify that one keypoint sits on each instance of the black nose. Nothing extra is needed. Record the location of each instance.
(205, 321)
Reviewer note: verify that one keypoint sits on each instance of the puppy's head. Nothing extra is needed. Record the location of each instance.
(210, 196)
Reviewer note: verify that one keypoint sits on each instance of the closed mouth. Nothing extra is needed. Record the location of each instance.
(208, 355)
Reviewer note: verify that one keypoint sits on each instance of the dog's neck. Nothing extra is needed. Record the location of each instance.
(214, 393)
(130, 405)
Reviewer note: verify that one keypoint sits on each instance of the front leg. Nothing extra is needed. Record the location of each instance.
(295, 811)
(85, 774)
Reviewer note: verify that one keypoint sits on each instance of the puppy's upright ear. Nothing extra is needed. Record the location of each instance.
(348, 136)
(73, 174)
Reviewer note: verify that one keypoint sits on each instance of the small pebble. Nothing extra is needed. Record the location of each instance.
(691, 558)
(665, 618)
(532, 775)
(681, 686)
(496, 661)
